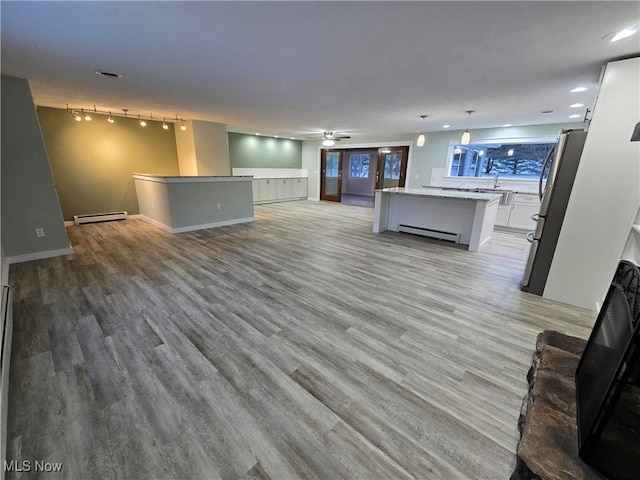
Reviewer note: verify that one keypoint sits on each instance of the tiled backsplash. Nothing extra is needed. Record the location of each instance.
(438, 179)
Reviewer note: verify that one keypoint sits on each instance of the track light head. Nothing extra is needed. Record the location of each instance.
(141, 122)
(183, 126)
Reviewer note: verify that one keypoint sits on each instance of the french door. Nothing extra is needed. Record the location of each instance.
(392, 167)
(331, 178)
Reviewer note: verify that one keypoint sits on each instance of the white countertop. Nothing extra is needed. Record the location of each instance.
(438, 193)
(152, 177)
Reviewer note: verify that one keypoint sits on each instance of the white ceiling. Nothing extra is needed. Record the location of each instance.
(293, 67)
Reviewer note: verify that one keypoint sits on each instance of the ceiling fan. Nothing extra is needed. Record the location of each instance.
(330, 138)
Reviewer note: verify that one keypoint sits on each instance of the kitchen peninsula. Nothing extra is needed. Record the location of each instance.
(463, 217)
(182, 204)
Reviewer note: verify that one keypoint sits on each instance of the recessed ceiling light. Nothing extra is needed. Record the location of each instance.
(257, 134)
(575, 115)
(506, 125)
(292, 138)
(446, 126)
(546, 111)
(276, 136)
(626, 33)
(578, 89)
(576, 105)
(102, 73)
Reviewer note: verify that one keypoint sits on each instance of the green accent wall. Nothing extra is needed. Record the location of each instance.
(92, 162)
(253, 151)
(28, 196)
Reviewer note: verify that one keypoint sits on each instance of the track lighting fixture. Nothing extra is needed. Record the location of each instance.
(421, 137)
(466, 136)
(79, 114)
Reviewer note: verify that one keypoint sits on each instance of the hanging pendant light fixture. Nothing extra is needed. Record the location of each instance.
(466, 136)
(421, 137)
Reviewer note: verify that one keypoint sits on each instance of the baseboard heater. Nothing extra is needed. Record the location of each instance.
(99, 217)
(427, 232)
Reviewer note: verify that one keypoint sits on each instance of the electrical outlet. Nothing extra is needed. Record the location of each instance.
(218, 206)
(39, 232)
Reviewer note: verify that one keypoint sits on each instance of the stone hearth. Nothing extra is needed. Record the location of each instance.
(548, 447)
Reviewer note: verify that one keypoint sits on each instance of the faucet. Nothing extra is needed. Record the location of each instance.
(495, 180)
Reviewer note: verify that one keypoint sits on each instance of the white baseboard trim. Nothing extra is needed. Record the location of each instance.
(201, 226)
(150, 220)
(27, 257)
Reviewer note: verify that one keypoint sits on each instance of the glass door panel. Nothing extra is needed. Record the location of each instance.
(331, 182)
(392, 167)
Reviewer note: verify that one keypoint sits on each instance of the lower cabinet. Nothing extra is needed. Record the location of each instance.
(518, 214)
(502, 217)
(267, 190)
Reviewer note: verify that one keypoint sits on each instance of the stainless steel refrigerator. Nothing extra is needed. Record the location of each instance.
(560, 169)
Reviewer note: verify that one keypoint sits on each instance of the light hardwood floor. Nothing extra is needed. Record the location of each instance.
(298, 346)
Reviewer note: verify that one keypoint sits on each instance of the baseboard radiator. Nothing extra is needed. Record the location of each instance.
(427, 232)
(99, 217)
(5, 356)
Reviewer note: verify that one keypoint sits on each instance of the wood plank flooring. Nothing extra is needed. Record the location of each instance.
(298, 346)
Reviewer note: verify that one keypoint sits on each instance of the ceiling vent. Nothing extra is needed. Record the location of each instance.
(108, 74)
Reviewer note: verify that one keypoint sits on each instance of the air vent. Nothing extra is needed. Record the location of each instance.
(108, 74)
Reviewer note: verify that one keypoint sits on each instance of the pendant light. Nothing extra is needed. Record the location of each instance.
(421, 138)
(466, 136)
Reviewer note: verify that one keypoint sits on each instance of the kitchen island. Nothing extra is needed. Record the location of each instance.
(462, 217)
(185, 203)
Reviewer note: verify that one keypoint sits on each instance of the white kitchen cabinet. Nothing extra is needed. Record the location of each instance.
(284, 190)
(524, 205)
(279, 189)
(256, 190)
(299, 187)
(268, 189)
(502, 218)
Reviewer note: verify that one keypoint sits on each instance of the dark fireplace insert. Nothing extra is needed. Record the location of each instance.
(608, 382)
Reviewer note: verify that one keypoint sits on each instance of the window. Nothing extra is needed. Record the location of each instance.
(510, 160)
(359, 165)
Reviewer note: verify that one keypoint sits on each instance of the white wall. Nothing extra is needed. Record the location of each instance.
(203, 149)
(212, 148)
(186, 148)
(605, 196)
